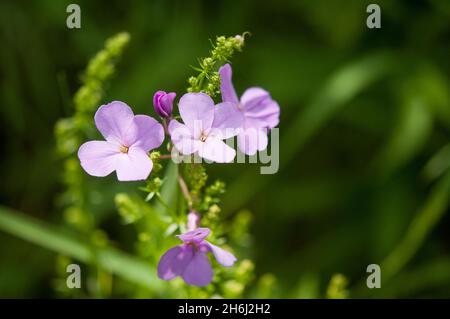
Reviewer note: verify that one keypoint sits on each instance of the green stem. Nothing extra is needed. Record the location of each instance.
(185, 190)
(165, 205)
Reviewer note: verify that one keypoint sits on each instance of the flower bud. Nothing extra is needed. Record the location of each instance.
(163, 103)
(193, 220)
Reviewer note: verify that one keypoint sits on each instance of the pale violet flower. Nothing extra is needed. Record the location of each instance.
(193, 220)
(128, 137)
(189, 260)
(260, 113)
(205, 127)
(163, 103)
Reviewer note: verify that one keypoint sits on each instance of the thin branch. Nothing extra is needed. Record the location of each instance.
(185, 190)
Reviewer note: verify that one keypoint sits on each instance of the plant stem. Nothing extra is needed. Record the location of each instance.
(165, 126)
(185, 191)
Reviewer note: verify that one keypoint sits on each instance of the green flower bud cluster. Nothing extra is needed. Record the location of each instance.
(196, 178)
(154, 181)
(87, 99)
(266, 286)
(208, 79)
(69, 132)
(210, 203)
(337, 288)
(129, 209)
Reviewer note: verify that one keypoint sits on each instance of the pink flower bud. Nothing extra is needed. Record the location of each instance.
(163, 103)
(193, 220)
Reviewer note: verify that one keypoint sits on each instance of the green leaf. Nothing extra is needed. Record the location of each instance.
(169, 188)
(63, 242)
(422, 224)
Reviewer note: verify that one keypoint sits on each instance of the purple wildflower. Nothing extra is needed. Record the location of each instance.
(163, 103)
(189, 260)
(205, 127)
(260, 113)
(128, 137)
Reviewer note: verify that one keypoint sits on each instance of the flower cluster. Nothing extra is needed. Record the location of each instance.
(202, 131)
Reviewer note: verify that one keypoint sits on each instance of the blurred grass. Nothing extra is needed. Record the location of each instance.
(426, 219)
(62, 242)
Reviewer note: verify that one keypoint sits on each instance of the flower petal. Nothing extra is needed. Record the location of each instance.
(163, 103)
(227, 120)
(226, 85)
(224, 257)
(267, 114)
(150, 134)
(252, 140)
(98, 158)
(198, 272)
(174, 262)
(182, 138)
(216, 150)
(197, 111)
(115, 122)
(195, 236)
(253, 97)
(193, 220)
(135, 165)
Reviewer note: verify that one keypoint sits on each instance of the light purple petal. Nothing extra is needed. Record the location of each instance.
(267, 114)
(227, 120)
(226, 85)
(253, 97)
(198, 272)
(167, 102)
(174, 262)
(182, 138)
(163, 103)
(115, 122)
(193, 220)
(224, 257)
(135, 165)
(195, 236)
(150, 133)
(98, 158)
(216, 150)
(197, 111)
(252, 140)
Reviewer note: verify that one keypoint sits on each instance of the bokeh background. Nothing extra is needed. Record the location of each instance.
(364, 148)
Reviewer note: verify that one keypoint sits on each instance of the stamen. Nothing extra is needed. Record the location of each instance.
(203, 137)
(124, 149)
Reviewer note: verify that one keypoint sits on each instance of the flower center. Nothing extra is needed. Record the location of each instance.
(203, 137)
(124, 149)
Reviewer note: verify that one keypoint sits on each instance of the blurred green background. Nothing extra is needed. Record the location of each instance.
(365, 127)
